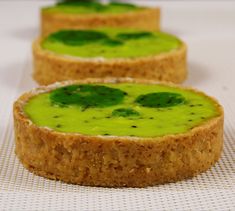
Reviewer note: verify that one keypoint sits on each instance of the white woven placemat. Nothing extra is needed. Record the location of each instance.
(210, 34)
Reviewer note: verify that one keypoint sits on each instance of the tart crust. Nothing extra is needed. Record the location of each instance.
(113, 161)
(50, 67)
(146, 19)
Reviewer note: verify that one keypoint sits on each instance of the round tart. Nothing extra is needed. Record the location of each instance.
(87, 15)
(116, 133)
(79, 54)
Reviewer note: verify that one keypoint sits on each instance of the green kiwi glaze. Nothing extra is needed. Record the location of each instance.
(121, 109)
(77, 38)
(110, 43)
(160, 99)
(87, 96)
(82, 8)
(125, 112)
(135, 35)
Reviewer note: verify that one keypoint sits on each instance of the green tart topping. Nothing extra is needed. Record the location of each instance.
(87, 96)
(91, 7)
(125, 112)
(110, 43)
(134, 35)
(125, 109)
(160, 99)
(79, 38)
(75, 38)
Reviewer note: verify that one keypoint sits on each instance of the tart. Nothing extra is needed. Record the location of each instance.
(100, 53)
(117, 132)
(87, 15)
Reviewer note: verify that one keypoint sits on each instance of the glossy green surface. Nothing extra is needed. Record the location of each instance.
(91, 8)
(87, 96)
(110, 43)
(126, 117)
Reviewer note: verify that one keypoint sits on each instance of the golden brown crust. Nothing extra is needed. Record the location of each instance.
(50, 67)
(115, 161)
(146, 19)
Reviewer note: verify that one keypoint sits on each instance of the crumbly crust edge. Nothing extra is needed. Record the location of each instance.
(146, 19)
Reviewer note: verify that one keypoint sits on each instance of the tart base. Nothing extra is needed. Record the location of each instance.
(112, 161)
(50, 67)
(145, 19)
